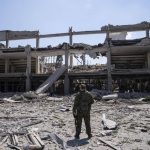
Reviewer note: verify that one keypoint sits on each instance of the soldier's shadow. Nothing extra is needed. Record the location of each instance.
(77, 142)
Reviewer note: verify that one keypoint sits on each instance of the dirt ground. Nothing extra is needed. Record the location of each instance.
(132, 117)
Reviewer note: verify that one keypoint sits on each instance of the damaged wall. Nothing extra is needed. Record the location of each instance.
(126, 57)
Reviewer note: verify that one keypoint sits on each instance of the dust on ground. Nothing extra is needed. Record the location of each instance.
(51, 116)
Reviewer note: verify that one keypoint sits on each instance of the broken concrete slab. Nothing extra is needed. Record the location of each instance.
(109, 97)
(51, 79)
(56, 99)
(108, 124)
(10, 100)
(31, 147)
(146, 99)
(30, 95)
(62, 124)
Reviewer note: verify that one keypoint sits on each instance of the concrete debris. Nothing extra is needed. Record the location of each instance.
(13, 146)
(125, 27)
(56, 99)
(35, 140)
(97, 94)
(31, 147)
(131, 107)
(148, 142)
(10, 100)
(118, 36)
(108, 124)
(64, 108)
(109, 144)
(62, 144)
(145, 41)
(14, 139)
(81, 46)
(106, 132)
(2, 46)
(109, 97)
(30, 95)
(56, 130)
(146, 99)
(17, 97)
(23, 97)
(141, 99)
(91, 54)
(50, 80)
(86, 68)
(74, 46)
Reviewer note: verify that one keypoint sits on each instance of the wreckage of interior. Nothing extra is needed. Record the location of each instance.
(43, 69)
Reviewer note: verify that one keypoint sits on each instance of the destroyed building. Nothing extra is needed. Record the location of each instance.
(27, 68)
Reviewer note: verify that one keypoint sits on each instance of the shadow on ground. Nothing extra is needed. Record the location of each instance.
(77, 142)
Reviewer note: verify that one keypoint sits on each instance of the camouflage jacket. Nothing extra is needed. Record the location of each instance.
(83, 102)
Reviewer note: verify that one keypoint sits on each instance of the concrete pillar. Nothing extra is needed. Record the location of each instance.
(109, 77)
(71, 60)
(84, 60)
(66, 79)
(148, 60)
(7, 41)
(37, 65)
(71, 42)
(41, 68)
(28, 69)
(147, 33)
(37, 42)
(6, 65)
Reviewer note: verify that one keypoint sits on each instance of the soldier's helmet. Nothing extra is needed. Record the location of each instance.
(82, 87)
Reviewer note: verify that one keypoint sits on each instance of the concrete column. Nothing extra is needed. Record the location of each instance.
(37, 42)
(109, 77)
(6, 65)
(41, 69)
(71, 42)
(28, 69)
(37, 65)
(66, 79)
(148, 60)
(71, 60)
(84, 60)
(7, 41)
(147, 33)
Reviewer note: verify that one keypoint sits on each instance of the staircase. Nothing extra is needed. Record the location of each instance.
(51, 79)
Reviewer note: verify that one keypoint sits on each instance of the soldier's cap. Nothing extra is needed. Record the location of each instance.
(82, 87)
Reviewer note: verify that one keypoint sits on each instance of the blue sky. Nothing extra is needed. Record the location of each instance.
(54, 16)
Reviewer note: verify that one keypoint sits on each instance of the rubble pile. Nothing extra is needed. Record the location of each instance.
(94, 68)
(38, 121)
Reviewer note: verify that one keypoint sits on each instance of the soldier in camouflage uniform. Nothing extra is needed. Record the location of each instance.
(81, 109)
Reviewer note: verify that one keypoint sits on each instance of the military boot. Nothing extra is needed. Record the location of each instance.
(89, 136)
(77, 136)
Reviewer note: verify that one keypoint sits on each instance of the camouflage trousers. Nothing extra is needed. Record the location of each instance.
(78, 123)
